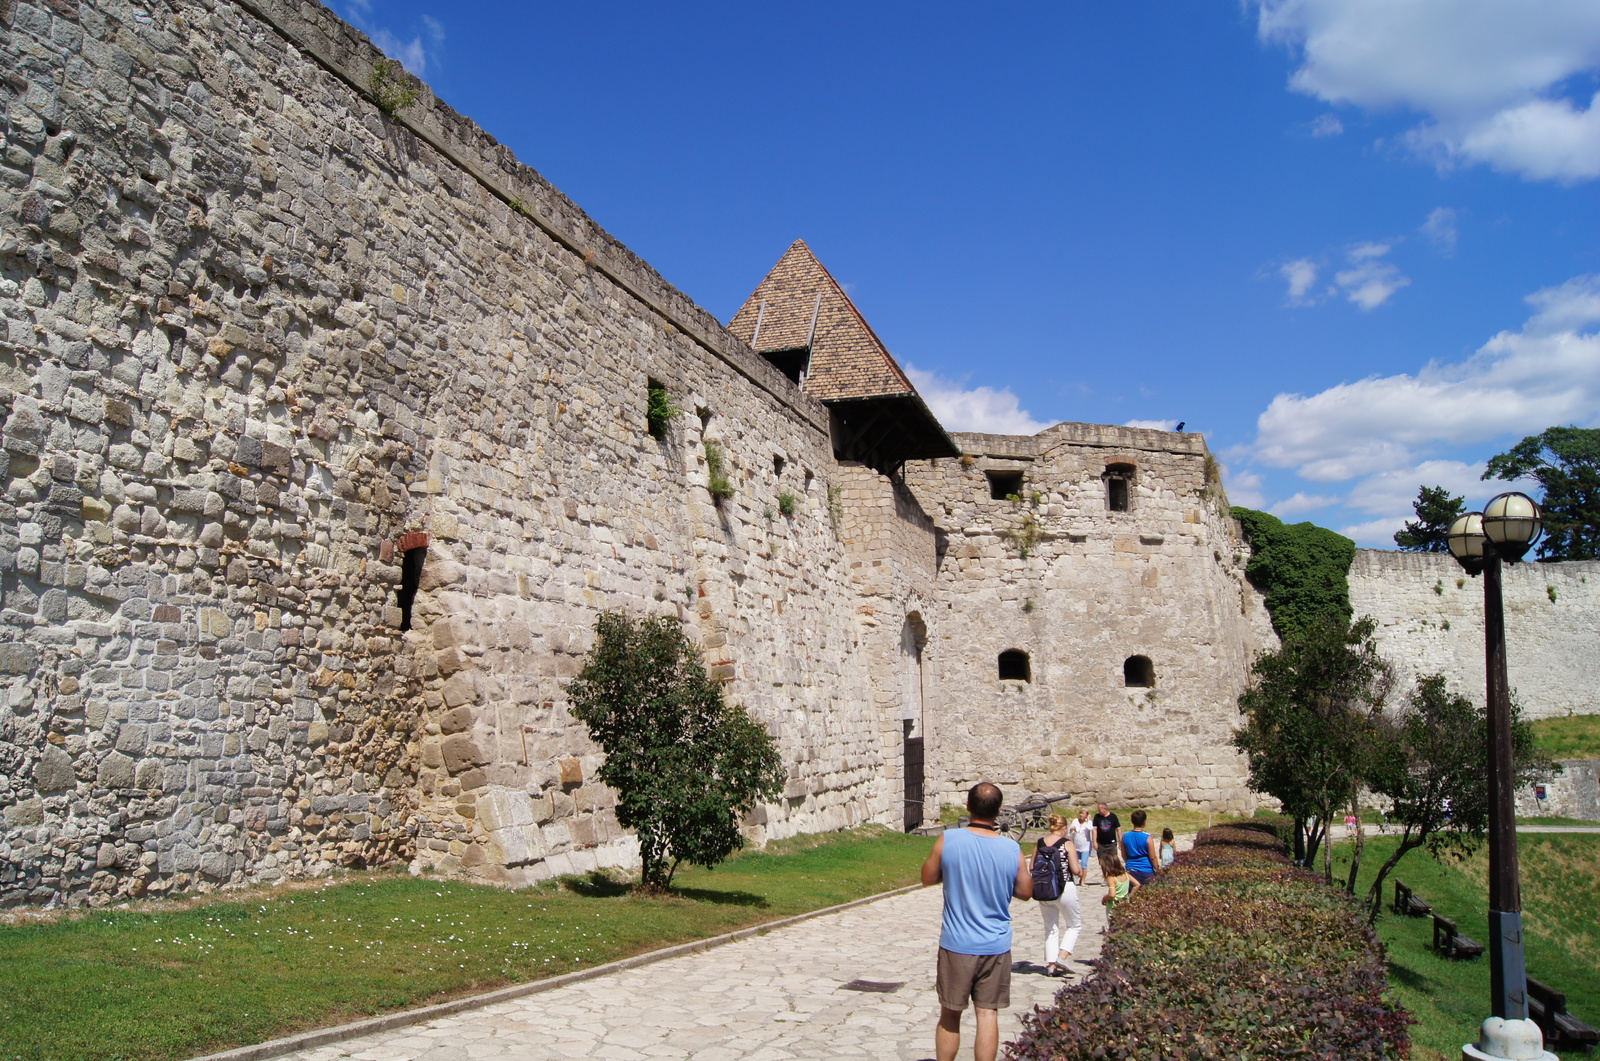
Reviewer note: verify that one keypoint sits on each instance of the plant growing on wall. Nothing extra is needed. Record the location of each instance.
(836, 509)
(685, 764)
(1302, 569)
(660, 410)
(717, 481)
(393, 90)
(787, 503)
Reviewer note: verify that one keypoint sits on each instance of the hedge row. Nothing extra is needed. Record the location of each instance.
(1233, 955)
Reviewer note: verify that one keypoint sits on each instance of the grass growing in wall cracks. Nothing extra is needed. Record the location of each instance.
(392, 89)
(717, 481)
(787, 503)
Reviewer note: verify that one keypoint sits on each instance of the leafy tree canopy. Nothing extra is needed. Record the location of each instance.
(1303, 569)
(684, 763)
(1436, 510)
(1433, 762)
(1312, 715)
(1565, 462)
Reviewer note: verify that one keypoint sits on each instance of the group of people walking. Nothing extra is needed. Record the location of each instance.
(1061, 866)
(982, 870)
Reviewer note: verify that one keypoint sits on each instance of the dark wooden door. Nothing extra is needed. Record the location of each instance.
(913, 770)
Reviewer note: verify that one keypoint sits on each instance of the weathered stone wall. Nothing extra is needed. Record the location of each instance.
(1573, 793)
(256, 329)
(1430, 620)
(1080, 589)
(890, 544)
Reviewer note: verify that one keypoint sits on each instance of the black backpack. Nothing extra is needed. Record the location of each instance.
(1048, 877)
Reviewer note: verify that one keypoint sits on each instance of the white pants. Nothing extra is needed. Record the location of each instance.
(1062, 921)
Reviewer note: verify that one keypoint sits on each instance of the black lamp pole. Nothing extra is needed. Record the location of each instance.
(1481, 542)
(1508, 975)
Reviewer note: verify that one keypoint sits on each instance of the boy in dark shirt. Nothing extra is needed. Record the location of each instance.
(1107, 831)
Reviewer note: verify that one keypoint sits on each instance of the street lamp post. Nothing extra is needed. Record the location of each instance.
(1481, 542)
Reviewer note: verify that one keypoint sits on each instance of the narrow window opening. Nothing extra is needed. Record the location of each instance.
(777, 466)
(1014, 666)
(410, 578)
(1138, 673)
(1004, 485)
(1118, 478)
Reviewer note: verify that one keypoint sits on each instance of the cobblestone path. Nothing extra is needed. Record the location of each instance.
(768, 998)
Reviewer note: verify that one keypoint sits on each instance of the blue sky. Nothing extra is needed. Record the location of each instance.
(1355, 242)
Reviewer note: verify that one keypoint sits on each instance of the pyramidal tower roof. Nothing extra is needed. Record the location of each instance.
(800, 319)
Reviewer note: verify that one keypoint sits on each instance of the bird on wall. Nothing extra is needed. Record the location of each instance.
(1180, 425)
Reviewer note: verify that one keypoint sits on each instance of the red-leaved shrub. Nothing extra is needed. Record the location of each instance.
(1233, 955)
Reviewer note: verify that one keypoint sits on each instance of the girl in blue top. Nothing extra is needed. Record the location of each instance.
(1136, 850)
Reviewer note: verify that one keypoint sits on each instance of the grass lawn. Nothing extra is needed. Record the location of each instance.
(1573, 737)
(238, 969)
(1560, 894)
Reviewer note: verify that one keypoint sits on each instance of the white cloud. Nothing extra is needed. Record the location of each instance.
(1440, 229)
(985, 409)
(412, 55)
(1301, 275)
(1326, 125)
(1396, 489)
(1517, 383)
(1300, 504)
(1375, 533)
(1487, 74)
(1370, 280)
(1153, 425)
(1370, 284)
(1243, 487)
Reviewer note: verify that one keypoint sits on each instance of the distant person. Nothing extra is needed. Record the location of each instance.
(1081, 832)
(1136, 851)
(1169, 848)
(981, 871)
(1055, 872)
(1349, 825)
(1107, 830)
(1119, 885)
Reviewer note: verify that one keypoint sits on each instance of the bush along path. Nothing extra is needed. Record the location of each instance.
(1233, 955)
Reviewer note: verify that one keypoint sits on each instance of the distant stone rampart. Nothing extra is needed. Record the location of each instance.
(1430, 620)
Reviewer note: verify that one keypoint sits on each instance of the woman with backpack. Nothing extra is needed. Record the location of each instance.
(1055, 874)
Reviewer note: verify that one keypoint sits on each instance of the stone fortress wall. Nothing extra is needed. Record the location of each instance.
(1080, 588)
(265, 346)
(1430, 620)
(260, 337)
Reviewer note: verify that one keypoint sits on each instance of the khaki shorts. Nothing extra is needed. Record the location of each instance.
(983, 979)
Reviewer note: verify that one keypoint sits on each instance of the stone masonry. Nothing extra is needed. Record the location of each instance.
(1079, 588)
(323, 442)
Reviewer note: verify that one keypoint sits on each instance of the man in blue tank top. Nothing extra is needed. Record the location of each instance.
(981, 870)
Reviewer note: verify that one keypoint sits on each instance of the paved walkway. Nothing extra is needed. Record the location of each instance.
(769, 998)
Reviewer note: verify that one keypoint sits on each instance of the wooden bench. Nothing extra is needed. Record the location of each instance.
(1562, 1031)
(1408, 903)
(1450, 943)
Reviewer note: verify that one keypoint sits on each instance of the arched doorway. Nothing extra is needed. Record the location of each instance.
(913, 638)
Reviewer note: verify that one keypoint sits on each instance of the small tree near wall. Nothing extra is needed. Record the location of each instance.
(685, 764)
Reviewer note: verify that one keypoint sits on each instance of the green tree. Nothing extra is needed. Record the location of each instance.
(1312, 717)
(1434, 765)
(1436, 510)
(1565, 462)
(685, 764)
(1301, 568)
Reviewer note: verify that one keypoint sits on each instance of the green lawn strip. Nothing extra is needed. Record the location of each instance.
(1560, 893)
(1555, 819)
(130, 986)
(1572, 737)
